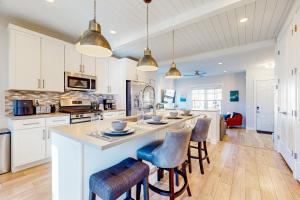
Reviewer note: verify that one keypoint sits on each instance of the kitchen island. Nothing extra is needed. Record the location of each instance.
(77, 152)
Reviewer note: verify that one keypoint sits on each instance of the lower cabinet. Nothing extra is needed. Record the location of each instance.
(28, 146)
(31, 141)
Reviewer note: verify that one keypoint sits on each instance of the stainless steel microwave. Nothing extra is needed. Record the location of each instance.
(80, 82)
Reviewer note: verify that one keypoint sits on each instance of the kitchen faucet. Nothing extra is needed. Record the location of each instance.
(143, 98)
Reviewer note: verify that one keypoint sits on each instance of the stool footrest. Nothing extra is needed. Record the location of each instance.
(167, 192)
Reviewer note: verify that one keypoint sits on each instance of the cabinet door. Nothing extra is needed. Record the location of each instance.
(28, 146)
(72, 59)
(52, 68)
(89, 65)
(114, 76)
(24, 61)
(102, 75)
(130, 67)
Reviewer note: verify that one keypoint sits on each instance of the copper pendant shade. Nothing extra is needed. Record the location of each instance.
(173, 72)
(92, 42)
(147, 62)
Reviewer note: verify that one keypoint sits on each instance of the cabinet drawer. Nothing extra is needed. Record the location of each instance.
(57, 121)
(28, 124)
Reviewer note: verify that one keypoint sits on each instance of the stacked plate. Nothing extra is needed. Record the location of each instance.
(124, 132)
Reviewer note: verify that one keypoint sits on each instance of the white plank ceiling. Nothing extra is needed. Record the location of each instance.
(217, 29)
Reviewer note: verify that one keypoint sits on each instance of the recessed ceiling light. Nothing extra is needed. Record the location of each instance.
(113, 32)
(225, 71)
(50, 1)
(243, 20)
(220, 63)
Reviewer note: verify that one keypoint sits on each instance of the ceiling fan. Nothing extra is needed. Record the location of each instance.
(197, 73)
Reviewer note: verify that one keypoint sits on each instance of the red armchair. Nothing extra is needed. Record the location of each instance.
(235, 120)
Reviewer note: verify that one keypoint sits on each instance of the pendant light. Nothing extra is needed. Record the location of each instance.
(147, 62)
(173, 72)
(92, 42)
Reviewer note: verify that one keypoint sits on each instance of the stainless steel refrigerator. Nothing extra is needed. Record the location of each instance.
(133, 97)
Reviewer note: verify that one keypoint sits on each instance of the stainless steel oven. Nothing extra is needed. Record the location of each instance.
(81, 82)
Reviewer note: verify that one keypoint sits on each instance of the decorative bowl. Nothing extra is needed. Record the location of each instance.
(173, 114)
(118, 125)
(156, 118)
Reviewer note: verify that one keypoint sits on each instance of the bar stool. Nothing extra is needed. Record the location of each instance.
(169, 155)
(111, 183)
(199, 135)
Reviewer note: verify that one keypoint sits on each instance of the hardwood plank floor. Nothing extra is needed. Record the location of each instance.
(243, 167)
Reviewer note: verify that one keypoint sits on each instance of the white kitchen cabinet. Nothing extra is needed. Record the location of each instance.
(28, 146)
(50, 123)
(25, 61)
(89, 65)
(31, 140)
(72, 59)
(114, 74)
(109, 75)
(52, 65)
(77, 63)
(36, 61)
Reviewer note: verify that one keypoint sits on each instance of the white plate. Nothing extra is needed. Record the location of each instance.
(113, 133)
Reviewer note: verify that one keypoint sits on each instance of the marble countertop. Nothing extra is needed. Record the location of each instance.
(81, 132)
(117, 110)
(57, 114)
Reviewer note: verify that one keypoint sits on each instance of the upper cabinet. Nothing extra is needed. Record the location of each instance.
(108, 74)
(75, 62)
(36, 62)
(24, 61)
(52, 65)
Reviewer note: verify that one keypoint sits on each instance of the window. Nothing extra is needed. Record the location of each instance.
(207, 98)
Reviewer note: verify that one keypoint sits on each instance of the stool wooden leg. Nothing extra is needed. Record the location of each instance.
(205, 150)
(138, 191)
(92, 196)
(200, 157)
(189, 159)
(146, 188)
(171, 184)
(177, 178)
(185, 174)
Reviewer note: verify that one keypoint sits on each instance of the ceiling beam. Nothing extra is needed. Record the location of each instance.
(202, 12)
(222, 52)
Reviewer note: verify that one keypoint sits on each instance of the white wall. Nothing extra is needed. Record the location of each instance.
(3, 71)
(252, 76)
(228, 82)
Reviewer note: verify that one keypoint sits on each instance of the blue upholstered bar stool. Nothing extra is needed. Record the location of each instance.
(199, 135)
(169, 155)
(111, 183)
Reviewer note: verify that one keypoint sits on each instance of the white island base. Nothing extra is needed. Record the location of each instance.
(76, 155)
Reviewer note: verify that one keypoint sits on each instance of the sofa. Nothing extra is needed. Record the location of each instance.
(233, 119)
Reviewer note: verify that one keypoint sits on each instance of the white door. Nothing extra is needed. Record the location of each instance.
(89, 65)
(52, 69)
(72, 59)
(25, 61)
(265, 105)
(28, 146)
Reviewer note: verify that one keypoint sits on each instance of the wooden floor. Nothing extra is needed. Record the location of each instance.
(244, 166)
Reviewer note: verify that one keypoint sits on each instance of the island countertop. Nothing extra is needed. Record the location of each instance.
(81, 132)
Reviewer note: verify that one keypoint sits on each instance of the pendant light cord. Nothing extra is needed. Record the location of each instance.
(95, 10)
(147, 24)
(173, 46)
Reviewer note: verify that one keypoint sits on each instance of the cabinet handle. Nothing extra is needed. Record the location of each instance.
(44, 83)
(39, 83)
(44, 134)
(59, 120)
(34, 123)
(49, 135)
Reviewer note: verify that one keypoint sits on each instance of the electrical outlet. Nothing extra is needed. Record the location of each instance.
(36, 102)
